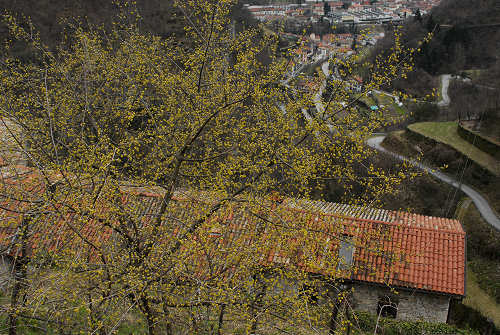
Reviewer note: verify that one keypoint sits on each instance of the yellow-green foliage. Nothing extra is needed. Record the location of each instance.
(111, 112)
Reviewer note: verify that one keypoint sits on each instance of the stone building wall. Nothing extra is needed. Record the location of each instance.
(411, 305)
(5, 271)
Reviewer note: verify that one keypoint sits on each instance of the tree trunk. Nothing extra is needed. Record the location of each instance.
(333, 317)
(20, 274)
(221, 319)
(13, 302)
(339, 303)
(146, 309)
(255, 307)
(169, 330)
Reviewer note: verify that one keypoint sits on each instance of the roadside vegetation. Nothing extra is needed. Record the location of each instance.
(452, 162)
(483, 259)
(387, 326)
(421, 194)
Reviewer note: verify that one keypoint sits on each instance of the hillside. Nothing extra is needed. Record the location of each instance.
(466, 36)
(159, 17)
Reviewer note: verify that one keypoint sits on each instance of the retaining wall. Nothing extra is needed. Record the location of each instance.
(480, 141)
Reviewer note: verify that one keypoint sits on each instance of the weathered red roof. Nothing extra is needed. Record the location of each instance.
(393, 248)
(432, 249)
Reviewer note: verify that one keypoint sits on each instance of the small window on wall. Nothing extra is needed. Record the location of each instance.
(387, 306)
(346, 253)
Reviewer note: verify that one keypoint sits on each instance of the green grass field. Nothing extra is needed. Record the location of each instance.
(482, 284)
(386, 101)
(446, 132)
(479, 300)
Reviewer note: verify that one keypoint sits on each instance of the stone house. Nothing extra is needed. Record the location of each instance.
(398, 264)
(421, 284)
(407, 304)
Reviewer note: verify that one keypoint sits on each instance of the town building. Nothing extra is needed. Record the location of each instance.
(359, 11)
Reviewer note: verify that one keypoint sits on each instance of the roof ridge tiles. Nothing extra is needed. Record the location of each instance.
(398, 224)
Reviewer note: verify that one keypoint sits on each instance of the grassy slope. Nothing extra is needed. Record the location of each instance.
(479, 300)
(446, 132)
(382, 99)
(483, 275)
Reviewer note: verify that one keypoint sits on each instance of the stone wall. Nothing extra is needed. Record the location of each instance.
(477, 139)
(411, 305)
(5, 271)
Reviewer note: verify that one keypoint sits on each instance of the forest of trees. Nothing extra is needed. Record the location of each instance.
(465, 36)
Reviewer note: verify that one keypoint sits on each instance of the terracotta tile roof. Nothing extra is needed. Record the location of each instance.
(392, 248)
(432, 249)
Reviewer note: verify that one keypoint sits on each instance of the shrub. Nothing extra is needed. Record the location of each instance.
(366, 323)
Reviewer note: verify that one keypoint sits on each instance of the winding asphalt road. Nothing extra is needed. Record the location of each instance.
(481, 203)
(375, 142)
(445, 83)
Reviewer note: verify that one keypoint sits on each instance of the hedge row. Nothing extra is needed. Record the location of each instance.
(386, 326)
